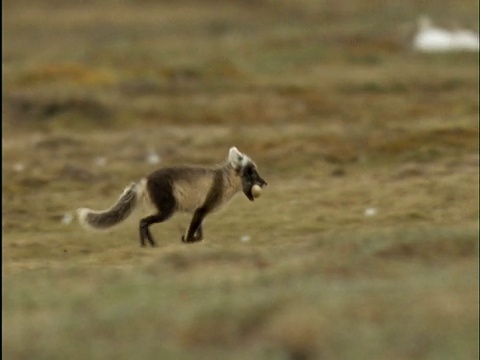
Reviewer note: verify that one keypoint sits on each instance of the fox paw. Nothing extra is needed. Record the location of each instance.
(194, 238)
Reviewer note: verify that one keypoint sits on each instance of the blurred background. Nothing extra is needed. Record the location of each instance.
(361, 115)
(84, 64)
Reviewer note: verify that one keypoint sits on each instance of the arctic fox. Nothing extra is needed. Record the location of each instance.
(192, 189)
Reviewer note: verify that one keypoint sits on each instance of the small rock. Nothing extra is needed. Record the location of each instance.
(19, 167)
(152, 157)
(100, 161)
(67, 219)
(245, 238)
(370, 211)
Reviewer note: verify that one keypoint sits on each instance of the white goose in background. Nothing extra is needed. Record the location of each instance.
(465, 40)
(434, 39)
(430, 38)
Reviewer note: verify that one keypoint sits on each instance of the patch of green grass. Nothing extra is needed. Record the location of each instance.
(306, 299)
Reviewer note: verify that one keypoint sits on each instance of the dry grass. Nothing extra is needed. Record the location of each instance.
(342, 120)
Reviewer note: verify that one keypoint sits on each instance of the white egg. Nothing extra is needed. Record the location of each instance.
(256, 190)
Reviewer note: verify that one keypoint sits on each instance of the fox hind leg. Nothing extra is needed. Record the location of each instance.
(145, 233)
(165, 204)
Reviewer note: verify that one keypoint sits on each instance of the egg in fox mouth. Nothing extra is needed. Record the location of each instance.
(256, 191)
(250, 178)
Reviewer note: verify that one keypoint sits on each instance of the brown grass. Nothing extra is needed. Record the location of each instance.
(341, 118)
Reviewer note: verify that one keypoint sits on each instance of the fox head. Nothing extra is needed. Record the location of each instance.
(247, 170)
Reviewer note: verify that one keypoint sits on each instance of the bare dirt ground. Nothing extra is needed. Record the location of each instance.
(364, 245)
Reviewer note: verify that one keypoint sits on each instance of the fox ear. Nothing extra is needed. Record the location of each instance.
(235, 157)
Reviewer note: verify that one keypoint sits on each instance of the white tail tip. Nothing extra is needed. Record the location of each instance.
(82, 216)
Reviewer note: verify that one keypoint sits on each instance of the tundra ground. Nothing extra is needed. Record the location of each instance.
(364, 245)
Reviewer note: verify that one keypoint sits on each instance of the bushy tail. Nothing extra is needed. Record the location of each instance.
(126, 203)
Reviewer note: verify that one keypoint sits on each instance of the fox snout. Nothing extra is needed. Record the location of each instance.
(262, 182)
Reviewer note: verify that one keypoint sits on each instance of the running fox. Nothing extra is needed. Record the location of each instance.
(193, 189)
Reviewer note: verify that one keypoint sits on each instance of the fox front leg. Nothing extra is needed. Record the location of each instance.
(198, 236)
(195, 231)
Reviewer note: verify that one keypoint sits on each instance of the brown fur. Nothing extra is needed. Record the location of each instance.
(192, 189)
